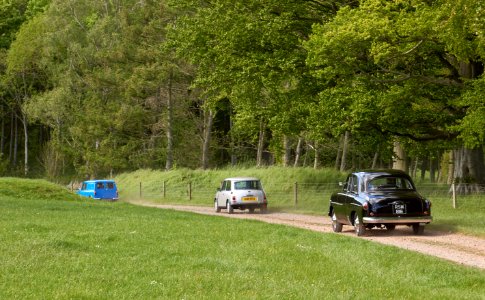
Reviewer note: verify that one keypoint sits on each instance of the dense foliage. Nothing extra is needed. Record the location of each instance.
(88, 88)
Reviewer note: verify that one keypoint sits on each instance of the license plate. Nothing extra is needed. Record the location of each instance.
(399, 209)
(248, 198)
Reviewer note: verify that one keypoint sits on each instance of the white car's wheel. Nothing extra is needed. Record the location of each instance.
(229, 207)
(216, 207)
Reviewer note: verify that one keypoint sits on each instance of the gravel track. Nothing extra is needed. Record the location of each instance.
(458, 248)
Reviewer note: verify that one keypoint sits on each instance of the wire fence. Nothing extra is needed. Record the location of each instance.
(306, 195)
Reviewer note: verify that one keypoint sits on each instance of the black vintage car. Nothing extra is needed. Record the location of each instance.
(379, 198)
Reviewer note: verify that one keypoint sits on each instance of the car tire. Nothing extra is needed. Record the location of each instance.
(264, 209)
(229, 207)
(251, 210)
(418, 229)
(358, 226)
(216, 207)
(390, 227)
(336, 225)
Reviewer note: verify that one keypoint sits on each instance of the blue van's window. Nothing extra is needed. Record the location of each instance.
(84, 186)
(110, 185)
(99, 185)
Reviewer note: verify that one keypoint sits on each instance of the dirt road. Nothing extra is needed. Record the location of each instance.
(461, 249)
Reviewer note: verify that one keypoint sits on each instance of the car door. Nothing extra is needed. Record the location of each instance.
(340, 205)
(349, 196)
(223, 194)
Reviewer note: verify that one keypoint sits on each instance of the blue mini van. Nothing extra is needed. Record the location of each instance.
(99, 189)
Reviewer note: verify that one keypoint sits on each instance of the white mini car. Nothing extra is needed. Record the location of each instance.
(240, 193)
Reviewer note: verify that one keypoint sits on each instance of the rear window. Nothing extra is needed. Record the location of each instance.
(389, 183)
(247, 185)
(111, 185)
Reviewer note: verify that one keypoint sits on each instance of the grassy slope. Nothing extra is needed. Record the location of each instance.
(315, 187)
(55, 245)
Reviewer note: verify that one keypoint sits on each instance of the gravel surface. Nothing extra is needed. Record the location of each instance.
(459, 248)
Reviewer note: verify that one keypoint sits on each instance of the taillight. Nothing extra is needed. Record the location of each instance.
(233, 198)
(265, 200)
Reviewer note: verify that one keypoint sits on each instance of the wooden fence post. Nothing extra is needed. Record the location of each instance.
(140, 189)
(163, 188)
(190, 190)
(295, 193)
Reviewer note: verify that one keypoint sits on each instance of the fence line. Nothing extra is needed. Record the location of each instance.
(310, 194)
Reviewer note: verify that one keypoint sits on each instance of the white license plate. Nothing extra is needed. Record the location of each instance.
(399, 209)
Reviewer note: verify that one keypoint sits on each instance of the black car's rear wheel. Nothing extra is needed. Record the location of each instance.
(390, 227)
(358, 226)
(418, 229)
(336, 225)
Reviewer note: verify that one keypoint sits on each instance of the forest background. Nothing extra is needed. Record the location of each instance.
(94, 88)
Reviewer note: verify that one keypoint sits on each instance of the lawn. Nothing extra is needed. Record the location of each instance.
(55, 245)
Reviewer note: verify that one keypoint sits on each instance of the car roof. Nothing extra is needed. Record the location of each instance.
(99, 180)
(241, 178)
(385, 172)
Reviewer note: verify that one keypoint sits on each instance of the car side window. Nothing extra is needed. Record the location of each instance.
(228, 185)
(355, 184)
(352, 184)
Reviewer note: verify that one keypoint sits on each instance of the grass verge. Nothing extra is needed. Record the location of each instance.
(55, 245)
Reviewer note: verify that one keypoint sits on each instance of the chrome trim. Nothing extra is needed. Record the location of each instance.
(397, 220)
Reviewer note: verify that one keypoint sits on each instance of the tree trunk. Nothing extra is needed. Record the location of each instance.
(208, 121)
(26, 145)
(259, 155)
(451, 167)
(374, 160)
(400, 161)
(2, 139)
(169, 162)
(287, 151)
(339, 149)
(344, 151)
(10, 146)
(468, 169)
(316, 162)
(432, 170)
(298, 152)
(423, 168)
(15, 142)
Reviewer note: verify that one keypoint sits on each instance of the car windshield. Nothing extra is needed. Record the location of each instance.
(247, 184)
(389, 183)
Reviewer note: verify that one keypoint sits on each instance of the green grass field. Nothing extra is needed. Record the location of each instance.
(314, 190)
(55, 245)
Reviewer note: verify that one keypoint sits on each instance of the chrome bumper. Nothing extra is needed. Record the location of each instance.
(397, 220)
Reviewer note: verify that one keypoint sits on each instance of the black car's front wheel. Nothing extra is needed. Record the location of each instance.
(336, 225)
(358, 226)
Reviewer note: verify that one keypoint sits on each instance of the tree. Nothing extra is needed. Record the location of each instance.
(404, 60)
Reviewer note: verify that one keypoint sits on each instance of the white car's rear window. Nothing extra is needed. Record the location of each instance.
(247, 184)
